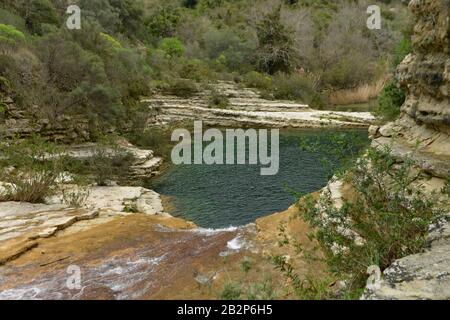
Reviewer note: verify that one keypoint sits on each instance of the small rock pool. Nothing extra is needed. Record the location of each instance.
(220, 196)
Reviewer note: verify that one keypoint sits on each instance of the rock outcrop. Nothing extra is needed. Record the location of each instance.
(145, 164)
(422, 132)
(246, 109)
(424, 125)
(23, 224)
(16, 123)
(424, 275)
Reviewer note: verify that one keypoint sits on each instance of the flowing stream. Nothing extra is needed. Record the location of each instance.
(138, 258)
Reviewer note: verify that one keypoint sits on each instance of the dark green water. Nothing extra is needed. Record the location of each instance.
(218, 196)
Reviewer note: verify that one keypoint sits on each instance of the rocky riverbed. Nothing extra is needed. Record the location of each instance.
(131, 255)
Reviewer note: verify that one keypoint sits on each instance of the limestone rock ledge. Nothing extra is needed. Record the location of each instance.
(422, 132)
(421, 276)
(23, 224)
(246, 109)
(145, 166)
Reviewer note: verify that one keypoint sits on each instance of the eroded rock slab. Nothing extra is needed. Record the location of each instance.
(145, 165)
(421, 276)
(246, 108)
(21, 224)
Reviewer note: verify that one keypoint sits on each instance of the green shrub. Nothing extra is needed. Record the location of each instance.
(39, 13)
(112, 43)
(276, 46)
(172, 47)
(350, 71)
(110, 163)
(401, 51)
(390, 101)
(11, 33)
(263, 290)
(298, 88)
(30, 170)
(217, 100)
(246, 264)
(156, 139)
(310, 287)
(195, 69)
(231, 291)
(388, 211)
(12, 19)
(184, 88)
(231, 48)
(385, 216)
(254, 79)
(163, 22)
(10, 37)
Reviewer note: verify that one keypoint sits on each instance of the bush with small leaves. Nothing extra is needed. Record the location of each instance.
(217, 100)
(388, 212)
(390, 101)
(254, 79)
(231, 291)
(172, 47)
(184, 88)
(30, 170)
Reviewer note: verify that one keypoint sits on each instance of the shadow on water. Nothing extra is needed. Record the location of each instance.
(217, 196)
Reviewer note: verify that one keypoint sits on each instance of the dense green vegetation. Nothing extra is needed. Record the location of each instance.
(392, 97)
(125, 49)
(385, 216)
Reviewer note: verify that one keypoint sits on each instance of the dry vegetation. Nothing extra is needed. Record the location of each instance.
(361, 94)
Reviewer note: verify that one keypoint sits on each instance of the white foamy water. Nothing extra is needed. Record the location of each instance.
(236, 243)
(210, 231)
(118, 274)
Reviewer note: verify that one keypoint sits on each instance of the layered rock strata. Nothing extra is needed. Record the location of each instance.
(246, 109)
(422, 132)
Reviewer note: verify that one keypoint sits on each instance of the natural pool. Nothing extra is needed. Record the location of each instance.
(218, 196)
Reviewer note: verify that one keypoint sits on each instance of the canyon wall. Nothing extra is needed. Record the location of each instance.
(422, 131)
(425, 75)
(16, 122)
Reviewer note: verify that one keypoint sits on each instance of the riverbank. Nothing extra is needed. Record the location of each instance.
(126, 243)
(246, 108)
(136, 256)
(122, 234)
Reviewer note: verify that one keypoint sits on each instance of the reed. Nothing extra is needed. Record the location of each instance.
(361, 94)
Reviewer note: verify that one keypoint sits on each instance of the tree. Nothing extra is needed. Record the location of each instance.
(172, 47)
(276, 46)
(38, 13)
(9, 37)
(131, 16)
(163, 23)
